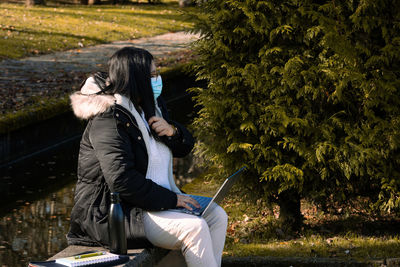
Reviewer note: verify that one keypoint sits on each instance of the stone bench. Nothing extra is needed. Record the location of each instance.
(159, 257)
(137, 257)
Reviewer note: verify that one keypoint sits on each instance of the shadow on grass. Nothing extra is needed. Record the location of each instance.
(108, 9)
(110, 12)
(64, 35)
(111, 3)
(357, 224)
(113, 12)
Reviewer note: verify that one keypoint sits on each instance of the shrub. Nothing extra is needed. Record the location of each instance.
(306, 94)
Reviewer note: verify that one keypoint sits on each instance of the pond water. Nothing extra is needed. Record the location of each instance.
(37, 202)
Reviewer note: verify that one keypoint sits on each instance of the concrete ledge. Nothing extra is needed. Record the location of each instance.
(137, 257)
(159, 257)
(39, 136)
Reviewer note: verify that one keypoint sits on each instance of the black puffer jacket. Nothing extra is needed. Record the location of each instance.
(113, 158)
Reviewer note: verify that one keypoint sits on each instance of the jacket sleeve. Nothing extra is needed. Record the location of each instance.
(183, 142)
(113, 149)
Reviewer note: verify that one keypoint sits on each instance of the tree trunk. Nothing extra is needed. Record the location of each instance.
(94, 2)
(185, 3)
(200, 2)
(290, 214)
(35, 2)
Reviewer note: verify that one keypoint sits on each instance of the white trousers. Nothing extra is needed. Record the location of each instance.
(201, 240)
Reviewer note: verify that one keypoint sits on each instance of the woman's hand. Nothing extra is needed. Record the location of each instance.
(161, 126)
(184, 201)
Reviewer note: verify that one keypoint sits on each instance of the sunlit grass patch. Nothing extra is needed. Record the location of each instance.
(352, 232)
(43, 29)
(355, 247)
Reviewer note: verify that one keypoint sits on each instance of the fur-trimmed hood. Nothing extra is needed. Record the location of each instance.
(87, 104)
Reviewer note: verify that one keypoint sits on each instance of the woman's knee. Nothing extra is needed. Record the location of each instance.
(199, 225)
(220, 213)
(195, 229)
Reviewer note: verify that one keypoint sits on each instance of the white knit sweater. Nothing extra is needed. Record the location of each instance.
(159, 168)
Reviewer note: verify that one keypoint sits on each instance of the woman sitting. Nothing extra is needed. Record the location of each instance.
(127, 147)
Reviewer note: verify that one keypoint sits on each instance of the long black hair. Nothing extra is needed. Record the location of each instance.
(129, 73)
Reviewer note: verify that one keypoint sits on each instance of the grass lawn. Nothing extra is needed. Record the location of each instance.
(345, 232)
(44, 29)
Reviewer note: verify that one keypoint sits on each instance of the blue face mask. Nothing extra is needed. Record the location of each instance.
(156, 84)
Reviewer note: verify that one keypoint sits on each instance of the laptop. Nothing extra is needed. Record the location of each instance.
(207, 203)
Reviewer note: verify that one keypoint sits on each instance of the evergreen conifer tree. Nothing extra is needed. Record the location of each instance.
(306, 94)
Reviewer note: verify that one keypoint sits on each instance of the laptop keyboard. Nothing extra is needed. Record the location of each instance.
(203, 201)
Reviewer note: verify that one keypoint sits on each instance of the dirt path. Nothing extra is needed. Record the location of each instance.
(27, 80)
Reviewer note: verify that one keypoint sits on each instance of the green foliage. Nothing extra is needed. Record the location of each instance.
(305, 93)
